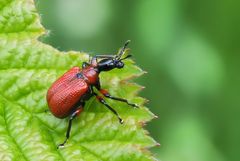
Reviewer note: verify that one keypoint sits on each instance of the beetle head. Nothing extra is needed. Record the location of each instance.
(114, 62)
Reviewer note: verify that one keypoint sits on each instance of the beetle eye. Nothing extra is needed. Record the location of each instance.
(120, 64)
(111, 64)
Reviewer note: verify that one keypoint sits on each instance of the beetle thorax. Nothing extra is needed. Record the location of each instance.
(91, 75)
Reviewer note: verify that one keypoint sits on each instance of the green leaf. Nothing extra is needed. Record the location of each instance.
(27, 69)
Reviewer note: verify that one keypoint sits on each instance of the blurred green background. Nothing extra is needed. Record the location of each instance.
(190, 50)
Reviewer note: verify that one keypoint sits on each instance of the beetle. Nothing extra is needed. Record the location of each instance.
(67, 95)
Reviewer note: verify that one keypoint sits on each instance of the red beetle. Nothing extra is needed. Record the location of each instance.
(67, 95)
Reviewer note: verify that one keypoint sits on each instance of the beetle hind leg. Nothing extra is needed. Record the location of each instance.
(73, 115)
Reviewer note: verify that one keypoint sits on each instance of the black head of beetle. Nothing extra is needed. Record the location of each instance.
(110, 62)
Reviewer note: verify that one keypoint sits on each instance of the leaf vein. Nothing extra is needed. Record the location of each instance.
(9, 134)
(5, 5)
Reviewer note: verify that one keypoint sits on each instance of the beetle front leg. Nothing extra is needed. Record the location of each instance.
(101, 100)
(106, 94)
(73, 115)
(85, 64)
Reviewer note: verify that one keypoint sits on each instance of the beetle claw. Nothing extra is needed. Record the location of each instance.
(121, 121)
(60, 146)
(134, 105)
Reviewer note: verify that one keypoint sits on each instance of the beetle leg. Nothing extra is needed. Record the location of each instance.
(104, 56)
(73, 115)
(85, 64)
(101, 100)
(106, 94)
(94, 60)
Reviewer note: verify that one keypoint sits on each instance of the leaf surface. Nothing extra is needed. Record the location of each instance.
(27, 69)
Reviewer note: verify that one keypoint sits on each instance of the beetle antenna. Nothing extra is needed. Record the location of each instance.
(122, 50)
(128, 56)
